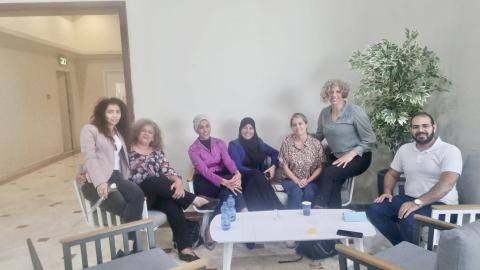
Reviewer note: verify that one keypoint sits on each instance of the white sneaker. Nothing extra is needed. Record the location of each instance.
(291, 244)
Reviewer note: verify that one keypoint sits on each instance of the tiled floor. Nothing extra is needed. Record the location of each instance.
(42, 206)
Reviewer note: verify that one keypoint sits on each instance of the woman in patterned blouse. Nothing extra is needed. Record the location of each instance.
(162, 186)
(301, 157)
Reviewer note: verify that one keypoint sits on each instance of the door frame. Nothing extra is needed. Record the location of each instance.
(69, 108)
(82, 8)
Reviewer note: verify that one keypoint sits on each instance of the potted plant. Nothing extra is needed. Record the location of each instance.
(397, 82)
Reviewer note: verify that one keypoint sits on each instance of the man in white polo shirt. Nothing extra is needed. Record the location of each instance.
(431, 168)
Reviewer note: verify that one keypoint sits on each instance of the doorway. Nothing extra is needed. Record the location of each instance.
(53, 96)
(115, 84)
(81, 8)
(66, 112)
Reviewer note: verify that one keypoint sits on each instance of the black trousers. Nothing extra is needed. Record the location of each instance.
(159, 197)
(204, 187)
(331, 179)
(126, 201)
(258, 192)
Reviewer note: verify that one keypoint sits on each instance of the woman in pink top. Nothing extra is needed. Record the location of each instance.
(215, 172)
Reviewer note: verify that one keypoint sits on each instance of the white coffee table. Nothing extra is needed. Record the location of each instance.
(285, 225)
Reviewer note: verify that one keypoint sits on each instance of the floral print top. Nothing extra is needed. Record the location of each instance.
(151, 165)
(302, 162)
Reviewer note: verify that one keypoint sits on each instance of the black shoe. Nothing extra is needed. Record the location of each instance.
(250, 245)
(210, 205)
(187, 257)
(210, 245)
(120, 253)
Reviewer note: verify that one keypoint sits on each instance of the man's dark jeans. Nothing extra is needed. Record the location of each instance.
(384, 216)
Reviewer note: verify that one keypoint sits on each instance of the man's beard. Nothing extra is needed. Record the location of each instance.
(427, 140)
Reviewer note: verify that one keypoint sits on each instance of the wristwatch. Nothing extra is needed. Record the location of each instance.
(418, 202)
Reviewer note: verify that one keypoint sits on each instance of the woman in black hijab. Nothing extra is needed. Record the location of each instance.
(251, 156)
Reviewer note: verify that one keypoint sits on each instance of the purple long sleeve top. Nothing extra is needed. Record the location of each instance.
(210, 162)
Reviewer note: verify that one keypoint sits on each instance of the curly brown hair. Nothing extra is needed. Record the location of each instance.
(99, 120)
(137, 127)
(330, 84)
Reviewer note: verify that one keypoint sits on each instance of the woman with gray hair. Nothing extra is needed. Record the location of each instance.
(350, 137)
(162, 185)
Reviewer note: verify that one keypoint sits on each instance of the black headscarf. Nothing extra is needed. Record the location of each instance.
(254, 156)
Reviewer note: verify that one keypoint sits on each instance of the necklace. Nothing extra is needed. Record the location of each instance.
(141, 149)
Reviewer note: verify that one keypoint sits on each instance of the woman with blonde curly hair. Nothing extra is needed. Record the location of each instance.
(350, 137)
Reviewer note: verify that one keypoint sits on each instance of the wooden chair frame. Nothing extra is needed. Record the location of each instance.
(103, 233)
(457, 214)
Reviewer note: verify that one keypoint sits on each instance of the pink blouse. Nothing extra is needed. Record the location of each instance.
(210, 162)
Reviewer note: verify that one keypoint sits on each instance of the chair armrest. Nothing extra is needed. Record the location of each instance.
(456, 207)
(432, 224)
(197, 264)
(104, 232)
(364, 258)
(435, 223)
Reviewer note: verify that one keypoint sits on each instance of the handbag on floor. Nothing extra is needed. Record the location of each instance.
(317, 250)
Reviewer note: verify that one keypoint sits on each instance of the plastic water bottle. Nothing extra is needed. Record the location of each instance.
(231, 206)
(225, 216)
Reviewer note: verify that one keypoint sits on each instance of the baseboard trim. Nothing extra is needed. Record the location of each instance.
(38, 165)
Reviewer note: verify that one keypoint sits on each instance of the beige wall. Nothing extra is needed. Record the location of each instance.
(98, 34)
(30, 106)
(268, 59)
(90, 72)
(89, 34)
(54, 30)
(29, 109)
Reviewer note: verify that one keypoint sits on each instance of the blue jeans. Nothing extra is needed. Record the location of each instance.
(384, 216)
(297, 195)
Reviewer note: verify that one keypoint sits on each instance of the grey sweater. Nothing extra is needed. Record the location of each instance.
(352, 130)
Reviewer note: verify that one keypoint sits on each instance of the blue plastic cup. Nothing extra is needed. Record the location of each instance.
(306, 206)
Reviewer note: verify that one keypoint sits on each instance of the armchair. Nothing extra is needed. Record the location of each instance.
(468, 188)
(402, 256)
(149, 258)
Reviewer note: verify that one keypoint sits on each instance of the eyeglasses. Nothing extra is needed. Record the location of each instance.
(424, 126)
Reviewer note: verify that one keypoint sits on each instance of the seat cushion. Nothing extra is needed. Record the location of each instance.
(158, 217)
(409, 256)
(153, 259)
(459, 249)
